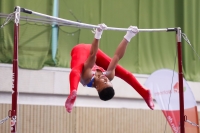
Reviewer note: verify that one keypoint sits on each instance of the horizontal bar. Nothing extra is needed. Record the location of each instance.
(88, 26)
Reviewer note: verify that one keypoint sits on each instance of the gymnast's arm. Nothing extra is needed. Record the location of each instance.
(119, 53)
(94, 47)
(92, 56)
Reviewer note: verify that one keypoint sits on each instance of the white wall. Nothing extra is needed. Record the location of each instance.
(51, 86)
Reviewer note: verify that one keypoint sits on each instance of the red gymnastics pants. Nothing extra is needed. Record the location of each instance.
(79, 55)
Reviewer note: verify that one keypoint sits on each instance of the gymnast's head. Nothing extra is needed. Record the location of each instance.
(104, 87)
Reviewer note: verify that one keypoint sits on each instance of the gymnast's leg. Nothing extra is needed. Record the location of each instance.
(131, 80)
(103, 60)
(78, 56)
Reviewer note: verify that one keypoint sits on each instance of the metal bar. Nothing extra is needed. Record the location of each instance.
(52, 20)
(15, 73)
(181, 92)
(89, 26)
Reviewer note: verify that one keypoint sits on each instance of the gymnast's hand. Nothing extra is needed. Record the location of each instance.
(132, 31)
(98, 31)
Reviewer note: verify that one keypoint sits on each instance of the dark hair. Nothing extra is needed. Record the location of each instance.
(106, 94)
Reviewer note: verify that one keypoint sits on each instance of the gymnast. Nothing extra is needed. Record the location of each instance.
(93, 68)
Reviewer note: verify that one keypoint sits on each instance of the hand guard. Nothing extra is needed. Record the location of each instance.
(98, 31)
(132, 31)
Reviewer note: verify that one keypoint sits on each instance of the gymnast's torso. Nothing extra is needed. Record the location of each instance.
(95, 69)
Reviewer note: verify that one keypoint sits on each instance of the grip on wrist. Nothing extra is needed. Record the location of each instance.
(128, 37)
(97, 35)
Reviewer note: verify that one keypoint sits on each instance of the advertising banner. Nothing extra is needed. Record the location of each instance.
(164, 86)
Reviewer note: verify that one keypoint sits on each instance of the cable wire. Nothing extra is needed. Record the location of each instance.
(171, 87)
(188, 41)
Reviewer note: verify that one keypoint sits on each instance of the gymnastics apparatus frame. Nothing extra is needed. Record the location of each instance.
(13, 111)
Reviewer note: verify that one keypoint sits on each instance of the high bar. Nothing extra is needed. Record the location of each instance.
(89, 26)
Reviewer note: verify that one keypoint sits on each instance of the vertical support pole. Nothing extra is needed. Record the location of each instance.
(180, 75)
(15, 72)
(54, 43)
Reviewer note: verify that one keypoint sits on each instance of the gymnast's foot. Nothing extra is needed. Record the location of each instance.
(149, 100)
(70, 101)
